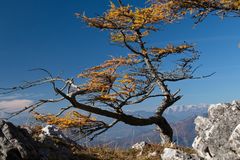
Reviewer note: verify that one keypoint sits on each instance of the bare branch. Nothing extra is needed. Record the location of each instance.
(104, 130)
(64, 110)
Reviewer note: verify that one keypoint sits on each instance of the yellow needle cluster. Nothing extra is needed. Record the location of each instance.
(106, 77)
(129, 18)
(71, 119)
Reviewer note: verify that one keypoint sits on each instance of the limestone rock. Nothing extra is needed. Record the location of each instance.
(140, 146)
(218, 136)
(234, 140)
(174, 154)
(51, 149)
(16, 143)
(52, 131)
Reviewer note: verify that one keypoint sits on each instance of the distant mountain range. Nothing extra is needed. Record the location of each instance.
(186, 108)
(177, 113)
(181, 112)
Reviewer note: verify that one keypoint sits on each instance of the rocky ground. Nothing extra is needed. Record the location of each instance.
(218, 138)
(49, 144)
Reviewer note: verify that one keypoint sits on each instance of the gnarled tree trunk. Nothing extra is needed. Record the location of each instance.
(165, 130)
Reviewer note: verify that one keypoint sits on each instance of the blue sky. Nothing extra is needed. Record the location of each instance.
(46, 34)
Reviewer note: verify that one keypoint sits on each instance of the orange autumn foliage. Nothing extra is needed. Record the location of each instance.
(71, 119)
(106, 77)
(132, 18)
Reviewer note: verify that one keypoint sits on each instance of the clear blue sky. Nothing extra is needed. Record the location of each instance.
(46, 34)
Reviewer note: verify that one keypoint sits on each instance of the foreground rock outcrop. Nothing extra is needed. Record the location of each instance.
(17, 144)
(218, 136)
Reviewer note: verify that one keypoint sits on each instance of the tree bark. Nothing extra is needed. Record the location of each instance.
(165, 130)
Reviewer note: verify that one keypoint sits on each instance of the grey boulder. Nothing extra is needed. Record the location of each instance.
(16, 143)
(218, 136)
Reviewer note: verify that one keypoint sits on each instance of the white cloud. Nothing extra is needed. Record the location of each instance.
(20, 96)
(14, 105)
(9, 97)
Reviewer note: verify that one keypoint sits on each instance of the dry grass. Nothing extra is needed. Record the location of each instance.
(105, 153)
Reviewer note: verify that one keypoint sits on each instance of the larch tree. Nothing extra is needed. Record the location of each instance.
(145, 73)
(200, 9)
